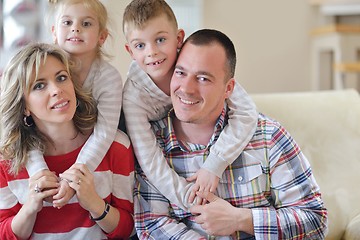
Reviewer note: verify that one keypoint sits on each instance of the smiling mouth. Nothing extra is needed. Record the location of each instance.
(187, 101)
(60, 105)
(75, 40)
(156, 63)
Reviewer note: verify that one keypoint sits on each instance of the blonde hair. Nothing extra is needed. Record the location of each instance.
(17, 139)
(138, 12)
(58, 7)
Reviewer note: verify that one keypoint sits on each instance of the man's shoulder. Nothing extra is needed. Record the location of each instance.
(160, 124)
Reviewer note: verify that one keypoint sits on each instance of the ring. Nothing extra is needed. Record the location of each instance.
(37, 189)
(79, 182)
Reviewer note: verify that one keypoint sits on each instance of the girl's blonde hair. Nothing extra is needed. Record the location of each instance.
(17, 139)
(58, 6)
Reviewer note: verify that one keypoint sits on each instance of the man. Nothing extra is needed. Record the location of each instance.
(268, 192)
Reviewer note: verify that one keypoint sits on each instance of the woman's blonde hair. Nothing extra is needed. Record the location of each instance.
(57, 8)
(17, 139)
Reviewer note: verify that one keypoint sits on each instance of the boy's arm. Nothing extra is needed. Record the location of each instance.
(147, 150)
(237, 133)
(152, 214)
(107, 91)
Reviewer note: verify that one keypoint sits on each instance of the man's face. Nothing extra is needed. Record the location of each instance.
(199, 86)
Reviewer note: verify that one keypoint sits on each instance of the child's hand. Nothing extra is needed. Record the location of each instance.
(205, 182)
(64, 195)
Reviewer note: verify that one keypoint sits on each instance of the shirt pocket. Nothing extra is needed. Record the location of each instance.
(244, 182)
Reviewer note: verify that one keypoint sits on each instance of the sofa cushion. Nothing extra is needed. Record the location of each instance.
(326, 125)
(353, 229)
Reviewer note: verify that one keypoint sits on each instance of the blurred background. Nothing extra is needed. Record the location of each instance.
(282, 46)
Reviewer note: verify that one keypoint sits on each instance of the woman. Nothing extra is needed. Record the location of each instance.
(42, 108)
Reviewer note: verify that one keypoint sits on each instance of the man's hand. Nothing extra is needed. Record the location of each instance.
(205, 182)
(220, 218)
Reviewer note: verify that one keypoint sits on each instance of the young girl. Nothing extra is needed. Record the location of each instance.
(80, 28)
(41, 107)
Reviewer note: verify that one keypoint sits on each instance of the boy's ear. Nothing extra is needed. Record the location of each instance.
(53, 34)
(103, 36)
(128, 49)
(180, 37)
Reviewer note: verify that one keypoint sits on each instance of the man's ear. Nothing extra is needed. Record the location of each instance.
(128, 49)
(229, 87)
(53, 34)
(180, 38)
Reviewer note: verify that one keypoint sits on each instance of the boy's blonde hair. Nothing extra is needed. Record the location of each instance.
(17, 139)
(139, 12)
(57, 8)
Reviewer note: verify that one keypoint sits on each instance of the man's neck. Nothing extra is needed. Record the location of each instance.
(193, 132)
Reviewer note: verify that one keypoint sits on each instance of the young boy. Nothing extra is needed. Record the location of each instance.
(153, 38)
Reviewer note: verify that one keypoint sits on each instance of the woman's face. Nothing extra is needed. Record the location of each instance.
(51, 99)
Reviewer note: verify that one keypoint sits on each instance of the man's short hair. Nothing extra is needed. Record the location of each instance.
(205, 37)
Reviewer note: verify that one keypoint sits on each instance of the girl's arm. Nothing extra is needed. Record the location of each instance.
(107, 91)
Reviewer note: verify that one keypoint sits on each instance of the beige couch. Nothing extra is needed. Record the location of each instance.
(326, 125)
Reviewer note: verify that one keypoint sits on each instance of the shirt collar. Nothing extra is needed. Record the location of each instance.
(171, 142)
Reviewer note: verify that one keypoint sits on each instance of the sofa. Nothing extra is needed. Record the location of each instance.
(326, 125)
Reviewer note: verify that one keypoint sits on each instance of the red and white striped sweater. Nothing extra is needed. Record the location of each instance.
(113, 181)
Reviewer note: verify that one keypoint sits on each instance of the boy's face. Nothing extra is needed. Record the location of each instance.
(154, 47)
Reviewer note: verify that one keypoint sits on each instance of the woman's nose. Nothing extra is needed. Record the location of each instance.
(55, 90)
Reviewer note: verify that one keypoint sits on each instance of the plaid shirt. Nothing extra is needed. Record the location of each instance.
(271, 176)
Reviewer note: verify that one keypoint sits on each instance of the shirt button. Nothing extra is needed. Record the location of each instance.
(240, 178)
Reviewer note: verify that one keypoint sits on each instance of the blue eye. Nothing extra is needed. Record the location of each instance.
(62, 78)
(140, 46)
(39, 86)
(161, 40)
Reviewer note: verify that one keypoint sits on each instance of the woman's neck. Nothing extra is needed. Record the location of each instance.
(62, 141)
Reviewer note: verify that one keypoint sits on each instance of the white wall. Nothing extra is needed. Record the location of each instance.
(271, 37)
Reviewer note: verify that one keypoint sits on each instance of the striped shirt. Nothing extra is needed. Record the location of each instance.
(105, 84)
(144, 101)
(113, 182)
(272, 177)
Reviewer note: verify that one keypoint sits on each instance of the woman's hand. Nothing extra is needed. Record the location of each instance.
(81, 180)
(42, 186)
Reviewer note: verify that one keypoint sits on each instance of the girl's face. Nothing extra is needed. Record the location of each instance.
(77, 31)
(51, 100)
